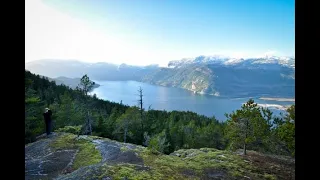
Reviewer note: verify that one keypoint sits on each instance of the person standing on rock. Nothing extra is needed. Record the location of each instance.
(47, 118)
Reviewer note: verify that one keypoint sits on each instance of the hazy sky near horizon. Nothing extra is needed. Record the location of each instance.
(142, 32)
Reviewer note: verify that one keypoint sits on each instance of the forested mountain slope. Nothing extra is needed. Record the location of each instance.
(272, 77)
(252, 127)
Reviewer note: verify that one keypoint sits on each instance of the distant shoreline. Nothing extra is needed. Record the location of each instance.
(217, 94)
(278, 99)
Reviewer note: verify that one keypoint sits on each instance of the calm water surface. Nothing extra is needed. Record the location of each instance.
(168, 98)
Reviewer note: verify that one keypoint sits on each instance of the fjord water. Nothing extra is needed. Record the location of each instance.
(169, 98)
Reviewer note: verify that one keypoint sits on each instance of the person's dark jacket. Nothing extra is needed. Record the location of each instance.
(47, 116)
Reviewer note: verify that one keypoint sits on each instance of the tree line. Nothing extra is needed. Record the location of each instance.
(250, 127)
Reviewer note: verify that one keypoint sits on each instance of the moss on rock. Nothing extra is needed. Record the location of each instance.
(70, 129)
(87, 154)
(64, 141)
(130, 161)
(197, 161)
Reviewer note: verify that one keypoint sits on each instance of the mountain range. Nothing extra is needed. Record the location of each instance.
(71, 82)
(215, 75)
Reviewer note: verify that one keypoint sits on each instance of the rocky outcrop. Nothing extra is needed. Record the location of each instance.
(44, 161)
(41, 162)
(65, 156)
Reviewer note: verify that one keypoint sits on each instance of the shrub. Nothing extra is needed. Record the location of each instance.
(70, 129)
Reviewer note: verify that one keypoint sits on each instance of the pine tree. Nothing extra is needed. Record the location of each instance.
(285, 129)
(85, 87)
(246, 125)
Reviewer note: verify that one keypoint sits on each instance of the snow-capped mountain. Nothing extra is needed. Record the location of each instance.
(229, 61)
(268, 76)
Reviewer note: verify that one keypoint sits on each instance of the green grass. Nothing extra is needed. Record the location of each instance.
(66, 141)
(87, 154)
(269, 176)
(124, 148)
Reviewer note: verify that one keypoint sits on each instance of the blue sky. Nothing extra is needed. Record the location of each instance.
(156, 31)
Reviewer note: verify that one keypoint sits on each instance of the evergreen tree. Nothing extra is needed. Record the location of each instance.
(249, 127)
(85, 87)
(246, 125)
(285, 129)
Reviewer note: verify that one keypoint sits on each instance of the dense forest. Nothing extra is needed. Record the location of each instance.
(251, 127)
